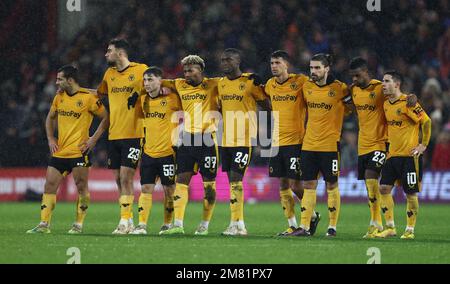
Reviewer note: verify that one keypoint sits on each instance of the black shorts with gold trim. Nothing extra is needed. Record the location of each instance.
(65, 165)
(326, 163)
(406, 169)
(198, 152)
(286, 162)
(163, 167)
(235, 159)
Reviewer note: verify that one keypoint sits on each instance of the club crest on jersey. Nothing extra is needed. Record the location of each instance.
(242, 86)
(372, 95)
(399, 112)
(332, 93)
(294, 86)
(131, 78)
(204, 85)
(164, 102)
(309, 92)
(80, 103)
(113, 78)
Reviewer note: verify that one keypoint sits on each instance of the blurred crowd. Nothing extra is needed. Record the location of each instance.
(412, 37)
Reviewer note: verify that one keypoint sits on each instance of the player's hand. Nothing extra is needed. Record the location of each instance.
(418, 150)
(257, 81)
(165, 91)
(53, 145)
(411, 100)
(132, 100)
(87, 146)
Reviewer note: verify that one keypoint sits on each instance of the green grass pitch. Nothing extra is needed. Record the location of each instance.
(263, 220)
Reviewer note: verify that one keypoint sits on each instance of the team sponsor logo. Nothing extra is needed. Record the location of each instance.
(319, 105)
(131, 78)
(395, 123)
(71, 113)
(365, 107)
(331, 93)
(124, 89)
(284, 98)
(155, 115)
(232, 97)
(372, 95)
(194, 97)
(80, 104)
(242, 86)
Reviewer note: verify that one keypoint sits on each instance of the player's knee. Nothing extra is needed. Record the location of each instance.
(311, 184)
(284, 183)
(332, 186)
(184, 178)
(50, 187)
(81, 185)
(147, 188)
(385, 189)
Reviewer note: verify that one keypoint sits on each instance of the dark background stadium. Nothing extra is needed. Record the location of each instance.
(39, 36)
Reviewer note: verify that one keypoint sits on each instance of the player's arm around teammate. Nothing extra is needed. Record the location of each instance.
(160, 112)
(404, 162)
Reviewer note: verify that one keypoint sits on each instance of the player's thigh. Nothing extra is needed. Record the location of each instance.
(276, 165)
(389, 173)
(185, 162)
(53, 179)
(239, 161)
(114, 154)
(309, 166)
(291, 161)
(208, 162)
(149, 170)
(147, 188)
(166, 170)
(130, 152)
(372, 163)
(411, 174)
(329, 166)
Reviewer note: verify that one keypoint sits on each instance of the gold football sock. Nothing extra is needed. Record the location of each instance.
(334, 206)
(236, 201)
(308, 205)
(144, 207)
(180, 200)
(168, 209)
(287, 203)
(47, 206)
(387, 206)
(126, 206)
(412, 209)
(373, 192)
(82, 206)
